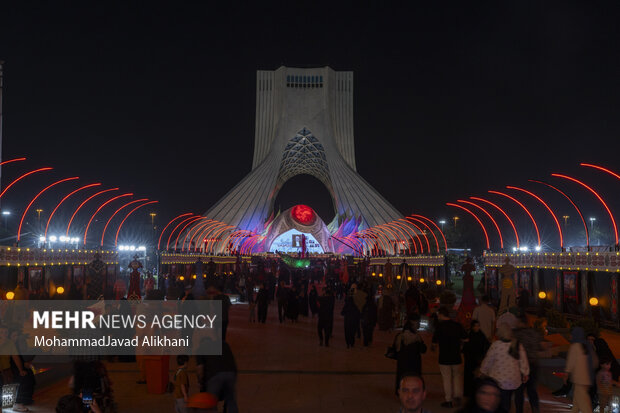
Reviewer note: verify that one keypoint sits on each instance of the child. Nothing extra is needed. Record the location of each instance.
(181, 385)
(603, 384)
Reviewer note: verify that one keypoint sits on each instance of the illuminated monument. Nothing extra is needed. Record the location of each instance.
(304, 125)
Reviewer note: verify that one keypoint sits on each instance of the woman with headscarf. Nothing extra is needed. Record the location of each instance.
(580, 364)
(486, 400)
(351, 320)
(474, 350)
(506, 363)
(386, 311)
(409, 347)
(313, 300)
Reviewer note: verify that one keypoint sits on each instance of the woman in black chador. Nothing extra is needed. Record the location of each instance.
(474, 351)
(313, 299)
(409, 347)
(262, 302)
(351, 320)
(292, 308)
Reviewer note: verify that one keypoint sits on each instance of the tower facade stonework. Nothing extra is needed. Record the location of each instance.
(304, 125)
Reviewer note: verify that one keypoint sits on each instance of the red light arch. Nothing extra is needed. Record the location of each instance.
(486, 235)
(127, 216)
(116, 212)
(419, 221)
(19, 178)
(613, 221)
(217, 234)
(409, 220)
(84, 202)
(21, 222)
(406, 233)
(512, 224)
(99, 209)
(382, 227)
(198, 225)
(63, 200)
(600, 168)
(12, 160)
(527, 211)
(205, 230)
(407, 224)
(585, 226)
(211, 235)
(501, 239)
(445, 243)
(190, 219)
(539, 199)
(167, 225)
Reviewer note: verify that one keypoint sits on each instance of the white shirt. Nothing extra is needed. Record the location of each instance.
(503, 368)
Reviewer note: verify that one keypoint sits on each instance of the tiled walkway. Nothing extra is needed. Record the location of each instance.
(283, 369)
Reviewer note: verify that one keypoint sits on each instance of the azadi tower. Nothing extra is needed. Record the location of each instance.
(304, 125)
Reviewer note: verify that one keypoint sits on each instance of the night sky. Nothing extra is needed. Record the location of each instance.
(450, 100)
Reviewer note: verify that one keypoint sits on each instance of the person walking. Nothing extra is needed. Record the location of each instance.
(487, 398)
(474, 350)
(386, 309)
(282, 297)
(409, 347)
(313, 298)
(485, 314)
(580, 364)
(351, 320)
(326, 316)
(449, 335)
(262, 303)
(292, 306)
(218, 375)
(369, 320)
(506, 362)
(532, 342)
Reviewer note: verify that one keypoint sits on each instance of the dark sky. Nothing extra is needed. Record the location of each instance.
(450, 100)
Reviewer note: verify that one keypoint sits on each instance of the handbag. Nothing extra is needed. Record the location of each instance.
(391, 352)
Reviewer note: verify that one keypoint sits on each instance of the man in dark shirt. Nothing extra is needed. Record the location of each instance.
(218, 375)
(449, 335)
(326, 316)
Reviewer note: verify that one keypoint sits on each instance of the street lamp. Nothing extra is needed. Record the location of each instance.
(565, 220)
(6, 215)
(455, 219)
(592, 219)
(442, 223)
(153, 215)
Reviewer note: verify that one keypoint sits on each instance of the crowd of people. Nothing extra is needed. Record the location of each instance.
(491, 365)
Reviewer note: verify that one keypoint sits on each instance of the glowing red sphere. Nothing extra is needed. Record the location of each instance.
(303, 214)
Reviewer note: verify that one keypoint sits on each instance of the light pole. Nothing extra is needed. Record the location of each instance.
(39, 210)
(6, 215)
(153, 215)
(592, 219)
(442, 223)
(455, 219)
(565, 221)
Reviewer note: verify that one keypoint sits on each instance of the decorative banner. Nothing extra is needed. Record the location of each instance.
(525, 280)
(492, 282)
(35, 279)
(570, 286)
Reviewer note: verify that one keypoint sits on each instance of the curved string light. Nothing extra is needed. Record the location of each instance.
(527, 211)
(512, 224)
(21, 222)
(501, 239)
(486, 235)
(613, 221)
(167, 225)
(127, 216)
(63, 200)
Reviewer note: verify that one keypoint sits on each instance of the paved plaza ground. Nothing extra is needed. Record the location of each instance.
(283, 369)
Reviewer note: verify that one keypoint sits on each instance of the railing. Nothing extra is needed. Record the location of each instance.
(58, 256)
(577, 261)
